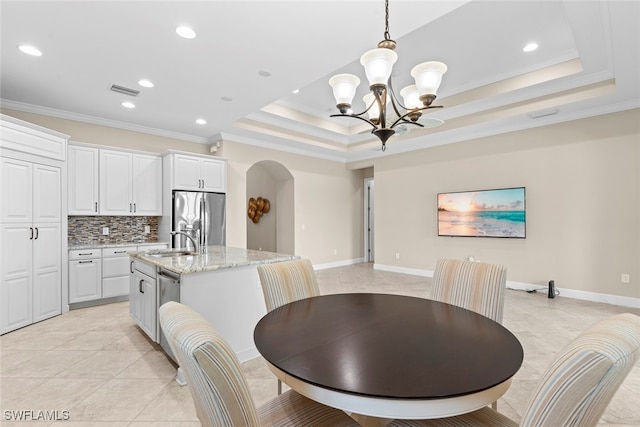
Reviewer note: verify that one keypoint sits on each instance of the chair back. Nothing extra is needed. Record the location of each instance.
(285, 282)
(218, 388)
(578, 386)
(475, 286)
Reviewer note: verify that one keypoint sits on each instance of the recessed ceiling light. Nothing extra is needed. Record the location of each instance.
(145, 83)
(226, 98)
(264, 73)
(186, 32)
(530, 47)
(128, 104)
(201, 121)
(296, 91)
(29, 50)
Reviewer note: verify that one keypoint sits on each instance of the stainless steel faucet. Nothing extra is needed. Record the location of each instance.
(196, 245)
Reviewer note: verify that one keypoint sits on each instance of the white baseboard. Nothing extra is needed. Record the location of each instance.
(564, 292)
(338, 264)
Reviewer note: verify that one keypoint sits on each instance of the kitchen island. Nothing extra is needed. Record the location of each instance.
(221, 284)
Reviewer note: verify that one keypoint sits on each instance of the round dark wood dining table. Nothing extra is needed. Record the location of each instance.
(389, 356)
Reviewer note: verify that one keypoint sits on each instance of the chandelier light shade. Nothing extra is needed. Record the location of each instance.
(428, 77)
(344, 89)
(378, 66)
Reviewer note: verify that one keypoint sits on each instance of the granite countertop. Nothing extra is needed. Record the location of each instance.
(116, 244)
(215, 258)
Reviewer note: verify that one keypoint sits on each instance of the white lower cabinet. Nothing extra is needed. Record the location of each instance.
(143, 298)
(115, 271)
(85, 275)
(96, 274)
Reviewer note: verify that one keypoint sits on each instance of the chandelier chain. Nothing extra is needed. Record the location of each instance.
(386, 20)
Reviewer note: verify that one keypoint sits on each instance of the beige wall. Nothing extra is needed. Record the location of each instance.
(328, 203)
(582, 193)
(583, 199)
(104, 135)
(327, 196)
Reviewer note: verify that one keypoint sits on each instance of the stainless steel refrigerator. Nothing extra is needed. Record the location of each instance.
(200, 214)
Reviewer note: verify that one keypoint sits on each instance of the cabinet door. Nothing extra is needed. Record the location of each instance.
(186, 173)
(85, 280)
(135, 298)
(214, 175)
(147, 185)
(47, 197)
(149, 308)
(115, 183)
(47, 272)
(83, 180)
(16, 191)
(142, 303)
(15, 276)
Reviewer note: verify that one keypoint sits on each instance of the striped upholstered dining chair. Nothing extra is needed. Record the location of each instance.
(289, 281)
(285, 282)
(577, 387)
(218, 388)
(472, 285)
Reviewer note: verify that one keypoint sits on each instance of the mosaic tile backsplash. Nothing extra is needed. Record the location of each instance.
(88, 229)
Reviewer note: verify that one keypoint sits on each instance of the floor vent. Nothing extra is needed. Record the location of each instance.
(125, 90)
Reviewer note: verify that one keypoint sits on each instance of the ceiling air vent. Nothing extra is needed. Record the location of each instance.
(125, 90)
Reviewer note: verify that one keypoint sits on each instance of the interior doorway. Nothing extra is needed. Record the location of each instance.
(369, 223)
(274, 230)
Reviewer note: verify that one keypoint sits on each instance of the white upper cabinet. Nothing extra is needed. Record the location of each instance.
(115, 183)
(130, 184)
(199, 174)
(83, 180)
(147, 185)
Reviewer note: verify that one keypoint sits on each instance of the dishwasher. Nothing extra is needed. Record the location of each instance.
(169, 289)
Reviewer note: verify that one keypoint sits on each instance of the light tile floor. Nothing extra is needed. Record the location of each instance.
(97, 365)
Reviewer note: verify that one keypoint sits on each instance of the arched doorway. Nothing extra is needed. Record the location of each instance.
(274, 232)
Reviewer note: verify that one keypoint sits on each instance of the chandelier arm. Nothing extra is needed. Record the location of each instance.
(357, 116)
(404, 120)
(395, 100)
(381, 99)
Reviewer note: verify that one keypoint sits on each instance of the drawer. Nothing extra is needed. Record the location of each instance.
(84, 254)
(117, 252)
(115, 286)
(115, 266)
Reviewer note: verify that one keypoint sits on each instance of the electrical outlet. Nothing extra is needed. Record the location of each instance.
(147, 229)
(105, 231)
(335, 252)
(397, 255)
(624, 278)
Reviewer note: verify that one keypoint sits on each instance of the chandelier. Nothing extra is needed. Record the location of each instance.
(378, 65)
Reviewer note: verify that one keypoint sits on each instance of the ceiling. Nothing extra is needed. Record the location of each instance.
(587, 64)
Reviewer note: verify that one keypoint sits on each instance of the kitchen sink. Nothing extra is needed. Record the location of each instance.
(171, 254)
